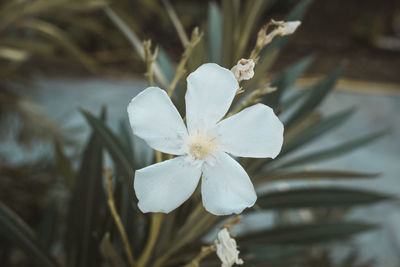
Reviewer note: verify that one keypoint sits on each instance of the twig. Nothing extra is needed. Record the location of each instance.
(262, 40)
(177, 23)
(135, 42)
(149, 58)
(117, 219)
(253, 98)
(156, 222)
(180, 69)
(205, 251)
(233, 222)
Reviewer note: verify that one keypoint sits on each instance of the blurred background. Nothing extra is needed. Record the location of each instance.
(57, 56)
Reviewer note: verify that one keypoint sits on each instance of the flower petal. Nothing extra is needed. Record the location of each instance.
(164, 186)
(254, 132)
(225, 187)
(155, 119)
(210, 91)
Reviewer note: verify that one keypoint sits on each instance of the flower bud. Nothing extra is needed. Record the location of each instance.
(244, 69)
(227, 249)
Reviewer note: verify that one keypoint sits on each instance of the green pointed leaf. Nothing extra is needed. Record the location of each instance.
(299, 10)
(296, 13)
(291, 101)
(335, 151)
(214, 31)
(251, 14)
(166, 65)
(274, 255)
(229, 26)
(114, 147)
(306, 233)
(48, 225)
(316, 95)
(18, 232)
(319, 197)
(88, 208)
(64, 166)
(310, 175)
(286, 80)
(318, 130)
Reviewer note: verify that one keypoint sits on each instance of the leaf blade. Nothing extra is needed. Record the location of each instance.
(15, 230)
(335, 151)
(306, 233)
(316, 95)
(319, 197)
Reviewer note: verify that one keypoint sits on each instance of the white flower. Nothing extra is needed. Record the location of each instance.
(202, 147)
(244, 69)
(227, 249)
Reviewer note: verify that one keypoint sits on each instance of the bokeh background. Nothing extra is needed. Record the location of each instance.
(59, 56)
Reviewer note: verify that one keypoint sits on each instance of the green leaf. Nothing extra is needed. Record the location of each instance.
(309, 175)
(214, 33)
(88, 208)
(296, 13)
(165, 64)
(306, 233)
(229, 25)
(335, 151)
(317, 93)
(274, 255)
(319, 197)
(251, 13)
(48, 226)
(64, 166)
(286, 80)
(18, 232)
(114, 147)
(318, 130)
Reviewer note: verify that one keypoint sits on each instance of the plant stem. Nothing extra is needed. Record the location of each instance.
(180, 69)
(117, 219)
(156, 222)
(150, 58)
(205, 251)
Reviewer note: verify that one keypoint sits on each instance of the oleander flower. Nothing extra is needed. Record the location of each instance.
(203, 148)
(226, 249)
(244, 69)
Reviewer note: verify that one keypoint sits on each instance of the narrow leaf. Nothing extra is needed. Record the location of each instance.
(316, 95)
(286, 80)
(165, 64)
(318, 130)
(306, 233)
(113, 146)
(335, 151)
(18, 232)
(87, 208)
(297, 13)
(252, 13)
(309, 175)
(214, 33)
(319, 197)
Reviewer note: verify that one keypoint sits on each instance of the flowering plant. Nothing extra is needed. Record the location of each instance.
(237, 136)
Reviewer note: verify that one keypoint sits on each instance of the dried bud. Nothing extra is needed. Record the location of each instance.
(286, 28)
(226, 249)
(244, 69)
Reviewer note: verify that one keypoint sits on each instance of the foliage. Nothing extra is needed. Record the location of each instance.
(92, 236)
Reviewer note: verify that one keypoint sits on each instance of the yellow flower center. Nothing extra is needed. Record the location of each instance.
(201, 145)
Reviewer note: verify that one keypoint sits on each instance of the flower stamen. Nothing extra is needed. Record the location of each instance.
(201, 145)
